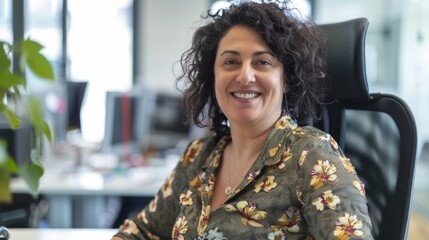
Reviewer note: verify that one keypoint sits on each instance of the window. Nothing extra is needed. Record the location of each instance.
(6, 20)
(100, 52)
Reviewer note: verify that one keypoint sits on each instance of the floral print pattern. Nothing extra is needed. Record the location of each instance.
(153, 204)
(248, 211)
(301, 177)
(359, 186)
(193, 151)
(348, 226)
(326, 200)
(166, 188)
(323, 172)
(348, 165)
(290, 220)
(185, 198)
(180, 228)
(266, 185)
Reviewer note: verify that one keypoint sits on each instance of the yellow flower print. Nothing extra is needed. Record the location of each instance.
(129, 227)
(216, 160)
(267, 185)
(348, 165)
(204, 220)
(333, 142)
(277, 235)
(329, 139)
(286, 155)
(248, 213)
(298, 131)
(348, 226)
(142, 216)
(290, 219)
(252, 176)
(299, 195)
(210, 185)
(197, 181)
(302, 157)
(327, 199)
(179, 228)
(273, 151)
(281, 123)
(153, 204)
(360, 186)
(166, 188)
(284, 121)
(323, 171)
(185, 199)
(192, 152)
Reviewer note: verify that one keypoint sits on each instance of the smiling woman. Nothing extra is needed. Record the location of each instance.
(249, 81)
(258, 175)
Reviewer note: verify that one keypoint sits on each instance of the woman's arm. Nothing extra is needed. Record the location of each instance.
(156, 220)
(333, 197)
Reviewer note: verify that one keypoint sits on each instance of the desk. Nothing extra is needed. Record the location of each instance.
(77, 199)
(63, 234)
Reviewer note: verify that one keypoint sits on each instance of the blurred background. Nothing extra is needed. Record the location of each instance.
(112, 56)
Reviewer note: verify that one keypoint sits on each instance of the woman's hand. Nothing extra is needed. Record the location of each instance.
(117, 238)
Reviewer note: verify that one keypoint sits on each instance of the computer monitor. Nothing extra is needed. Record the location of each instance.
(168, 128)
(127, 123)
(75, 94)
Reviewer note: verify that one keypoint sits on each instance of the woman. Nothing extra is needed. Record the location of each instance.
(260, 176)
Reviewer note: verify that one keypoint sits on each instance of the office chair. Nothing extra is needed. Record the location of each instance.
(376, 131)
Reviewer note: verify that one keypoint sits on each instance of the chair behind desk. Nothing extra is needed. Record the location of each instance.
(376, 131)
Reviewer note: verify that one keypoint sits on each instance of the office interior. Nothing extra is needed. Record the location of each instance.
(128, 56)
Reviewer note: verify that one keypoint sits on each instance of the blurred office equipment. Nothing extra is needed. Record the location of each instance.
(127, 123)
(75, 95)
(376, 131)
(168, 128)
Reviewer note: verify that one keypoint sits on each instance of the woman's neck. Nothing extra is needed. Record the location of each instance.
(247, 144)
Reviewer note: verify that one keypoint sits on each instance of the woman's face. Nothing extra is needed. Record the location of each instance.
(249, 79)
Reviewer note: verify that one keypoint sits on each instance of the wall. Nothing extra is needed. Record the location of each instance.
(167, 28)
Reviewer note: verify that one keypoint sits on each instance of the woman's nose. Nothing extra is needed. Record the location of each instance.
(246, 74)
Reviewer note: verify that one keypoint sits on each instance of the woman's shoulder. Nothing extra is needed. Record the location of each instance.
(199, 149)
(309, 135)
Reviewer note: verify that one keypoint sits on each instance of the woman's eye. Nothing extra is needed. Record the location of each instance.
(229, 62)
(264, 62)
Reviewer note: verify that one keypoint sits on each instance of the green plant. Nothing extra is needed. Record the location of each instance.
(12, 87)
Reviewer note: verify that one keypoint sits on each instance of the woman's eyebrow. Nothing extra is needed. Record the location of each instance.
(258, 53)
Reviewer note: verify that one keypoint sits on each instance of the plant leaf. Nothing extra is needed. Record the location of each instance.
(5, 160)
(46, 130)
(5, 194)
(9, 80)
(28, 46)
(32, 172)
(40, 66)
(4, 60)
(14, 121)
(37, 120)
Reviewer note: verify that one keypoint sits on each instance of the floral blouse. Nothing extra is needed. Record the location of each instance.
(300, 187)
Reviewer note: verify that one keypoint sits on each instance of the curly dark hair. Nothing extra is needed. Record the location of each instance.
(299, 46)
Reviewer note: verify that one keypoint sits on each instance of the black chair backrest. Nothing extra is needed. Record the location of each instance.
(376, 131)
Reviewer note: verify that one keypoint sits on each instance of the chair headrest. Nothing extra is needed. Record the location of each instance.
(346, 71)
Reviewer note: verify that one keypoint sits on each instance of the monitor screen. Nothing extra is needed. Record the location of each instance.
(127, 123)
(75, 95)
(168, 127)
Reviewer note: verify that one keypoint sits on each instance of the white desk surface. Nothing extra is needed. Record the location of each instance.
(59, 180)
(60, 234)
(77, 198)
